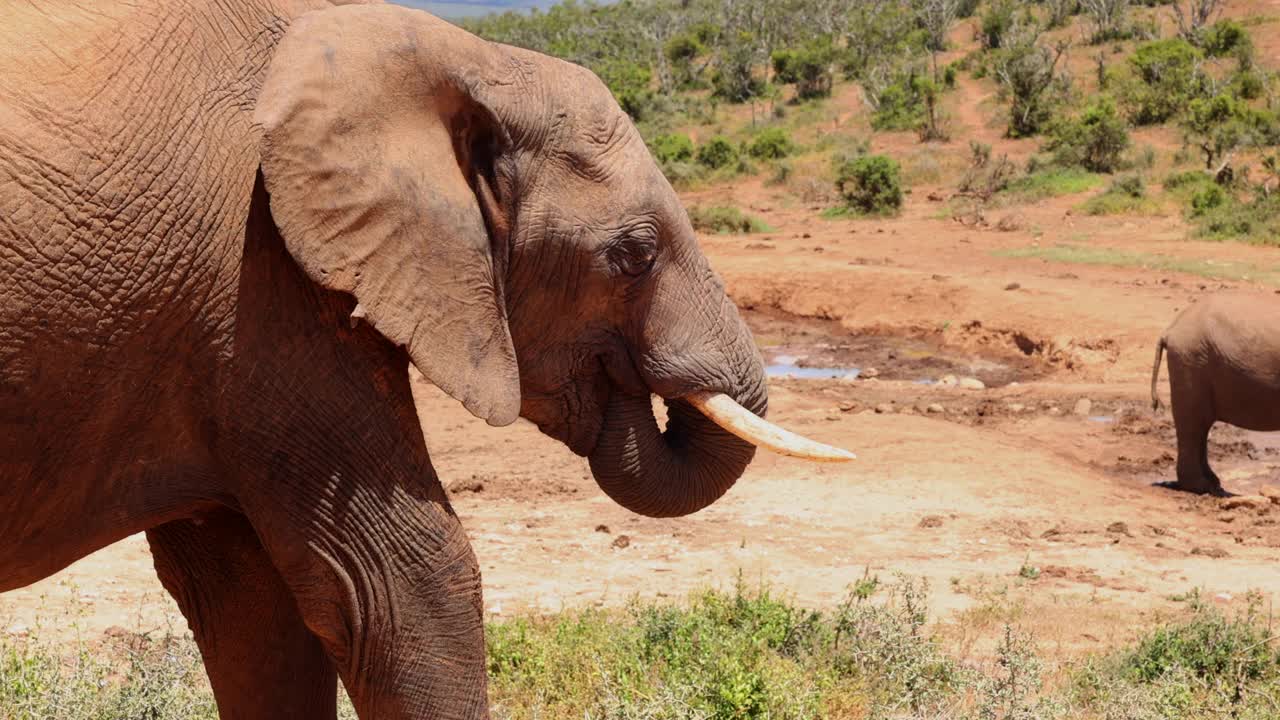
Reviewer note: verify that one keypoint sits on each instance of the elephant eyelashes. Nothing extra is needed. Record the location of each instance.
(634, 256)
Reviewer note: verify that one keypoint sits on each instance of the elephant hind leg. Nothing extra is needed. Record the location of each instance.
(261, 659)
(1193, 417)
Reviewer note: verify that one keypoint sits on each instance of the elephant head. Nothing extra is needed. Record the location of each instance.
(493, 211)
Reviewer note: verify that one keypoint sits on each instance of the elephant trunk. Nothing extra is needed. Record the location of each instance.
(694, 461)
(671, 473)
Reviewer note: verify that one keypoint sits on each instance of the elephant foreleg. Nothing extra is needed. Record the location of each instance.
(387, 580)
(262, 661)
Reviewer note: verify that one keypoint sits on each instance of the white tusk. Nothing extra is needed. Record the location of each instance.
(723, 411)
(357, 315)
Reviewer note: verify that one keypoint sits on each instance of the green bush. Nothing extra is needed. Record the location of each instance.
(1207, 198)
(1127, 194)
(724, 220)
(1220, 124)
(1166, 80)
(1209, 645)
(996, 22)
(674, 147)
(1225, 37)
(1095, 141)
(871, 185)
(771, 144)
(807, 67)
(717, 153)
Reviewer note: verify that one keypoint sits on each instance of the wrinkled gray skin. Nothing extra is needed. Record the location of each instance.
(1224, 365)
(195, 197)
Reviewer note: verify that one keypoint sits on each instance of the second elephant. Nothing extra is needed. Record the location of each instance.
(1224, 365)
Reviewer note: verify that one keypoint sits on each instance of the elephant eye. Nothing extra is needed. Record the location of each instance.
(634, 255)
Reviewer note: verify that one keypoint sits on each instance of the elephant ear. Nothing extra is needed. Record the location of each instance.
(379, 156)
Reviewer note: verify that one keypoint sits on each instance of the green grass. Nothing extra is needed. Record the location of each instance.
(1122, 258)
(1051, 182)
(746, 653)
(724, 220)
(1120, 203)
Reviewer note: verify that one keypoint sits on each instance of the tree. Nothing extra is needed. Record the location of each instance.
(1109, 18)
(1028, 72)
(807, 67)
(1218, 126)
(1197, 15)
(937, 17)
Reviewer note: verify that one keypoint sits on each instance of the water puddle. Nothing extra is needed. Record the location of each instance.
(814, 349)
(795, 372)
(1102, 418)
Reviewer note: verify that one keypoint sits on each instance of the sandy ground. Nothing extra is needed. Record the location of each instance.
(961, 486)
(1055, 464)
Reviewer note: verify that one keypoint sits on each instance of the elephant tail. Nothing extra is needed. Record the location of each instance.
(1155, 374)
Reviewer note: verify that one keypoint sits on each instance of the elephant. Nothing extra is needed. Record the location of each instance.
(1224, 365)
(229, 228)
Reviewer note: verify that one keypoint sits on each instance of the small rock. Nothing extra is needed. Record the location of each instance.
(1017, 407)
(1083, 407)
(848, 406)
(884, 409)
(1223, 597)
(869, 373)
(620, 542)
(1010, 223)
(849, 378)
(931, 521)
(17, 629)
(1211, 552)
(1055, 411)
(972, 383)
(806, 236)
(934, 408)
(472, 484)
(948, 381)
(1012, 286)
(1119, 528)
(602, 529)
(1247, 502)
(1271, 493)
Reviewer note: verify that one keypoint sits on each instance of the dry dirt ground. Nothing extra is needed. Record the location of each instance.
(962, 486)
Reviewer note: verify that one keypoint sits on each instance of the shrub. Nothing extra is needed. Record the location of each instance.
(871, 185)
(996, 22)
(1225, 37)
(897, 105)
(1221, 124)
(1167, 80)
(1207, 198)
(724, 220)
(1127, 194)
(674, 147)
(1095, 141)
(1209, 645)
(771, 144)
(807, 67)
(717, 152)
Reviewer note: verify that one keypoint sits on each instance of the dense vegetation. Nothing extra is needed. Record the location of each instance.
(741, 655)
(682, 68)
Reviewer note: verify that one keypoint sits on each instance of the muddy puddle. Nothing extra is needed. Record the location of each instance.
(815, 349)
